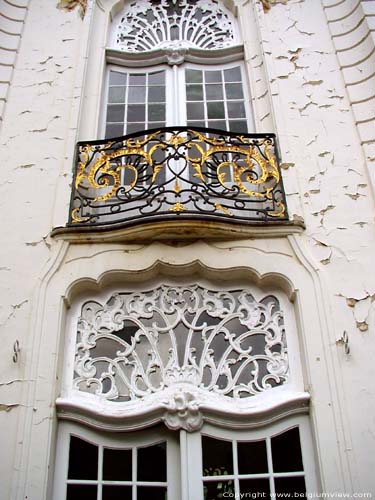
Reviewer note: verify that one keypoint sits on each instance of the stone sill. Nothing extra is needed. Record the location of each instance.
(181, 229)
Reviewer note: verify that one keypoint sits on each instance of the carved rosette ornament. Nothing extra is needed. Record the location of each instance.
(149, 24)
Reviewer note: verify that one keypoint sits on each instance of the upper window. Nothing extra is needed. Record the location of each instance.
(139, 99)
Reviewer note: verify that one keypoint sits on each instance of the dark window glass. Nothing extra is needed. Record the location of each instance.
(117, 465)
(83, 459)
(234, 91)
(156, 94)
(290, 485)
(136, 112)
(151, 493)
(194, 92)
(232, 75)
(214, 490)
(116, 78)
(137, 79)
(214, 92)
(117, 493)
(156, 78)
(195, 111)
(217, 457)
(115, 113)
(116, 94)
(213, 76)
(81, 492)
(258, 485)
(215, 110)
(152, 463)
(236, 109)
(252, 457)
(193, 76)
(114, 130)
(220, 124)
(135, 127)
(238, 125)
(286, 452)
(137, 94)
(156, 112)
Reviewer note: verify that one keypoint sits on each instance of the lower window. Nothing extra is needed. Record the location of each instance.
(208, 465)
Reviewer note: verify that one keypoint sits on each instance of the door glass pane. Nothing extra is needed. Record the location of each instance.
(214, 92)
(234, 91)
(194, 92)
(195, 111)
(291, 485)
(151, 493)
(137, 79)
(115, 113)
(156, 78)
(81, 492)
(215, 110)
(116, 94)
(156, 94)
(137, 94)
(117, 493)
(117, 78)
(233, 74)
(286, 452)
(252, 457)
(217, 457)
(117, 465)
(258, 485)
(152, 463)
(83, 459)
(213, 76)
(215, 490)
(136, 112)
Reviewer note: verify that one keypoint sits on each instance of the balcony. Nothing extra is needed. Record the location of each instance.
(192, 176)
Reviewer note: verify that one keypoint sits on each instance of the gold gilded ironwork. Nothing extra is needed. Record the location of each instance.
(223, 209)
(178, 207)
(212, 165)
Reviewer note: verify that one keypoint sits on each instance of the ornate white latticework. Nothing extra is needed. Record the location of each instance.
(142, 343)
(170, 24)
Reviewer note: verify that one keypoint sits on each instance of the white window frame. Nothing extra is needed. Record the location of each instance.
(175, 79)
(185, 480)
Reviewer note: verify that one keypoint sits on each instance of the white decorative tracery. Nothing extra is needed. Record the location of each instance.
(148, 25)
(142, 343)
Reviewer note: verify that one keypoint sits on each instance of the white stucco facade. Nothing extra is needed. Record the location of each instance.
(311, 72)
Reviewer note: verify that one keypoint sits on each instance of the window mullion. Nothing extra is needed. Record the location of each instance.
(184, 466)
(270, 465)
(134, 473)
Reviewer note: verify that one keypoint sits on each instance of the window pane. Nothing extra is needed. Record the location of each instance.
(238, 126)
(217, 457)
(221, 124)
(156, 78)
(156, 94)
(151, 493)
(156, 112)
(233, 75)
(137, 79)
(135, 127)
(152, 463)
(114, 130)
(213, 76)
(213, 490)
(136, 113)
(116, 94)
(286, 452)
(195, 111)
(290, 485)
(116, 78)
(252, 457)
(215, 110)
(194, 92)
(260, 486)
(193, 76)
(137, 94)
(236, 110)
(234, 91)
(115, 113)
(214, 92)
(117, 465)
(117, 493)
(81, 492)
(83, 459)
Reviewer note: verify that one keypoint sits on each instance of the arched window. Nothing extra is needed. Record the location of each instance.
(192, 74)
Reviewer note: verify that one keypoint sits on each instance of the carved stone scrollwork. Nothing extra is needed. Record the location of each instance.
(183, 412)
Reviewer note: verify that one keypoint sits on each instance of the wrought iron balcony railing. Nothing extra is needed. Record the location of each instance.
(178, 172)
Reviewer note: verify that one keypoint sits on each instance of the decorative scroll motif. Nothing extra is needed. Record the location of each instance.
(142, 343)
(149, 25)
(183, 412)
(179, 172)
